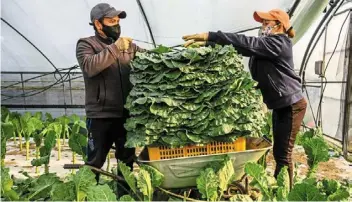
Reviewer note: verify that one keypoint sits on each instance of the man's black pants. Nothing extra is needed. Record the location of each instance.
(102, 133)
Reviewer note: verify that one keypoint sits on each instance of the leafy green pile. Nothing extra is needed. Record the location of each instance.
(191, 96)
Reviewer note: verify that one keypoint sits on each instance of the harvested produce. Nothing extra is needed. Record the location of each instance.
(189, 96)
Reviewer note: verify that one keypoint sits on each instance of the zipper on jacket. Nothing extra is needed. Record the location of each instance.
(123, 95)
(274, 85)
(98, 94)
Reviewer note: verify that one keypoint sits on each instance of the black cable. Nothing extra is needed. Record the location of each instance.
(247, 30)
(342, 12)
(28, 94)
(146, 21)
(310, 105)
(319, 115)
(36, 93)
(147, 42)
(293, 8)
(326, 20)
(42, 75)
(332, 54)
(322, 22)
(310, 49)
(18, 32)
(338, 40)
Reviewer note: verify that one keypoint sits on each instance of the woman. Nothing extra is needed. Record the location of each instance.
(271, 65)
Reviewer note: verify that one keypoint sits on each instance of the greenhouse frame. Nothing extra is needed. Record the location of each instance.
(40, 72)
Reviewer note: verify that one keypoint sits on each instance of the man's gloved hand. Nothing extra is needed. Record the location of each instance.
(196, 39)
(123, 43)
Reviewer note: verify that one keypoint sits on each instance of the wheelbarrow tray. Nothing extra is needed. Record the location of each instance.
(182, 172)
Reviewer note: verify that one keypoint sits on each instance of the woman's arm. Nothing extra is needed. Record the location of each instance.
(249, 46)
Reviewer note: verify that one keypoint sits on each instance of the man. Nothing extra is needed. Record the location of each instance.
(104, 60)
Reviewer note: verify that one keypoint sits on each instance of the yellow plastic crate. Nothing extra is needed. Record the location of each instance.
(158, 153)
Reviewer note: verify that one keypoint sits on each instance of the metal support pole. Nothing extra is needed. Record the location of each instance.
(63, 90)
(320, 112)
(24, 97)
(147, 22)
(70, 85)
(348, 99)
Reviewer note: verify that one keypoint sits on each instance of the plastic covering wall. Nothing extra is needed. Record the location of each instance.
(334, 95)
(55, 26)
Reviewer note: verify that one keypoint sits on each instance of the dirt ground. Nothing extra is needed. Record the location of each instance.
(336, 168)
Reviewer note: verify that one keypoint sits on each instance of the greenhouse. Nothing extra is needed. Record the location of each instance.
(176, 100)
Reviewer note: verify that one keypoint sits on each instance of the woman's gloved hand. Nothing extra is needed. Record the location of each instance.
(196, 39)
(194, 43)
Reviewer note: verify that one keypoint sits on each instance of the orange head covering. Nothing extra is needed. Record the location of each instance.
(275, 14)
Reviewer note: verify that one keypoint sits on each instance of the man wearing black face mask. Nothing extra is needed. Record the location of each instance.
(104, 60)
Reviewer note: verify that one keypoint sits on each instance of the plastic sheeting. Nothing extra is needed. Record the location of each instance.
(336, 71)
(305, 15)
(55, 26)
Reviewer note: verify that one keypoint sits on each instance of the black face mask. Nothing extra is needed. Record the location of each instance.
(112, 31)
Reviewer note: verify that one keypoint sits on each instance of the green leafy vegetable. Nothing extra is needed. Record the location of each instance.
(241, 197)
(126, 198)
(4, 113)
(16, 121)
(45, 150)
(82, 187)
(128, 175)
(260, 178)
(305, 192)
(77, 141)
(330, 186)
(341, 194)
(100, 193)
(207, 184)
(283, 181)
(191, 96)
(157, 177)
(316, 149)
(48, 118)
(82, 181)
(145, 185)
(7, 130)
(63, 192)
(226, 174)
(6, 185)
(64, 121)
(38, 115)
(334, 190)
(30, 125)
(42, 186)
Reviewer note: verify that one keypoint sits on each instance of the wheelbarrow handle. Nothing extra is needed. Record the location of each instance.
(103, 172)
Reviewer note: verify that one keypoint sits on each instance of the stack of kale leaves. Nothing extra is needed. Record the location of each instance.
(191, 96)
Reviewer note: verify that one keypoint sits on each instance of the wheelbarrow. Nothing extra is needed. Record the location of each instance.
(182, 172)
